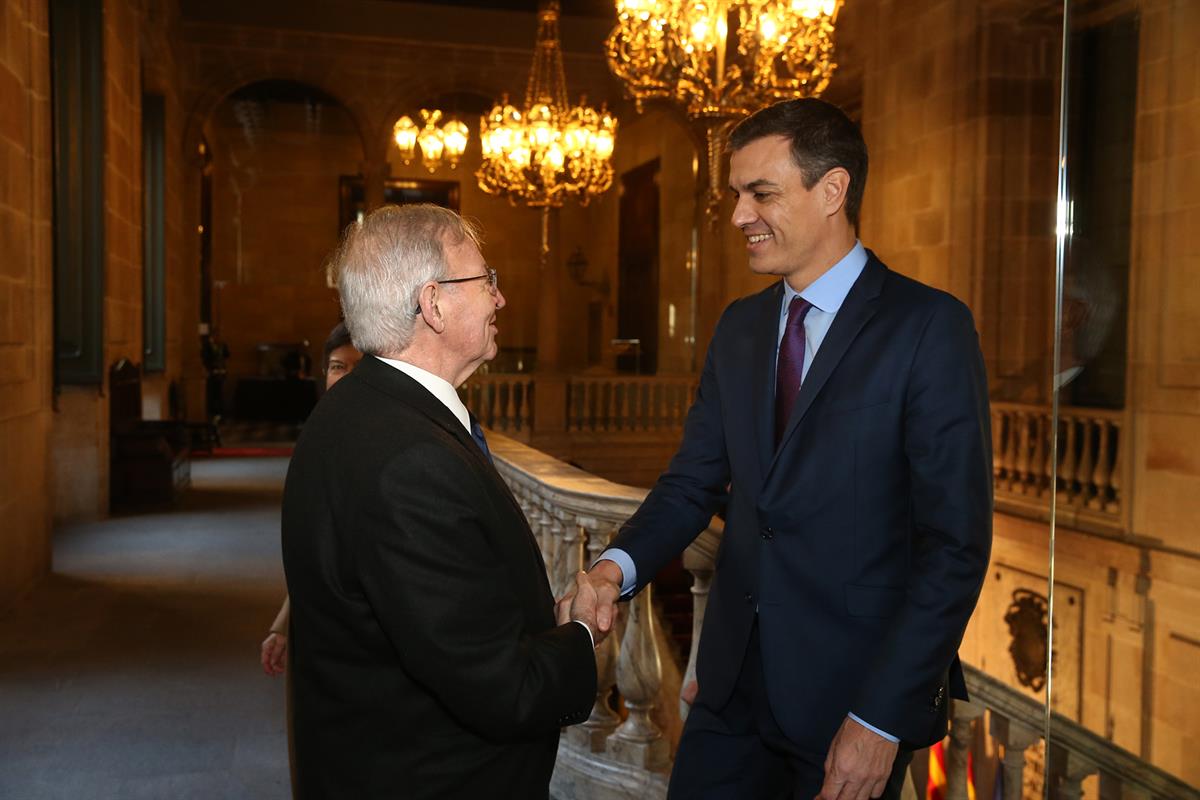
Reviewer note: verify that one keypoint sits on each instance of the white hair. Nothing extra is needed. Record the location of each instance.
(383, 261)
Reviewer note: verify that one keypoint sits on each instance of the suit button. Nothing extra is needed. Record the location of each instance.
(768, 532)
(749, 597)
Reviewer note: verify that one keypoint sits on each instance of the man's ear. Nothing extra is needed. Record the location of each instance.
(428, 299)
(834, 187)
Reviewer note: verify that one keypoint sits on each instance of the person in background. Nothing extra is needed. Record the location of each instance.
(339, 359)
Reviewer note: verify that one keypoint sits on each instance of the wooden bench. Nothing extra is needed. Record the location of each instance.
(149, 459)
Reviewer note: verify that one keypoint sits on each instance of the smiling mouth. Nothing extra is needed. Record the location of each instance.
(758, 238)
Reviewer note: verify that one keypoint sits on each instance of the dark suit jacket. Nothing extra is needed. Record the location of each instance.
(426, 661)
(863, 540)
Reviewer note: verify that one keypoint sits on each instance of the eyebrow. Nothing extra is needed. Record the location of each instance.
(754, 186)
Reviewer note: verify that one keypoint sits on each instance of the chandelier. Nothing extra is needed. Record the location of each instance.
(546, 151)
(722, 59)
(448, 142)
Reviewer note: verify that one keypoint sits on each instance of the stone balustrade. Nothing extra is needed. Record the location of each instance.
(1092, 457)
(1016, 722)
(628, 403)
(1091, 464)
(500, 402)
(574, 514)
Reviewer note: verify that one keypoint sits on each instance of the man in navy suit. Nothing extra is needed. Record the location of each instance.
(844, 412)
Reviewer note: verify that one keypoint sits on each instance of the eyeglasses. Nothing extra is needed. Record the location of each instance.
(490, 276)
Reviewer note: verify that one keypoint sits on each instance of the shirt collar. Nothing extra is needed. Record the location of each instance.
(828, 292)
(436, 386)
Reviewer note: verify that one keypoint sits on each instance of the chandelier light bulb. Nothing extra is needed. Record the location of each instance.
(405, 134)
(454, 136)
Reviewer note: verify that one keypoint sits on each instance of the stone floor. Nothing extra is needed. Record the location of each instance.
(132, 671)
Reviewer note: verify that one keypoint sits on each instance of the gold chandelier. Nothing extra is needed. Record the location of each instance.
(547, 151)
(448, 142)
(688, 52)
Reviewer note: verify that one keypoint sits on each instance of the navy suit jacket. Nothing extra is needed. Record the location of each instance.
(862, 540)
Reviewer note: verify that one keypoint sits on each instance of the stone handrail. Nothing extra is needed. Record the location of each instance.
(628, 403)
(574, 514)
(1017, 722)
(1091, 464)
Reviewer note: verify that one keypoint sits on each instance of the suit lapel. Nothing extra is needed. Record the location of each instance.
(857, 309)
(764, 348)
(392, 381)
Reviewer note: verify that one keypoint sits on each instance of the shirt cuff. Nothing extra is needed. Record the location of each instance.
(628, 570)
(873, 729)
(589, 630)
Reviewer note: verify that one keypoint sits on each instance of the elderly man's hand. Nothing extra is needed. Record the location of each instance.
(582, 604)
(606, 578)
(858, 765)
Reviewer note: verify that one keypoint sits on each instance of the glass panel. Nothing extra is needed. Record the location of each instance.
(1126, 546)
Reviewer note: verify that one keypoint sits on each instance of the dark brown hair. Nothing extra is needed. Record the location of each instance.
(822, 138)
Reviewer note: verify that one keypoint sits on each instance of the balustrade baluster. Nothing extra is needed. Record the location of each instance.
(1048, 470)
(1022, 467)
(554, 540)
(510, 405)
(1113, 506)
(571, 551)
(1037, 462)
(1070, 457)
(997, 445)
(603, 720)
(1076, 769)
(701, 583)
(592, 406)
(1104, 470)
(962, 733)
(541, 521)
(1016, 739)
(1087, 461)
(638, 740)
(1010, 450)
(609, 402)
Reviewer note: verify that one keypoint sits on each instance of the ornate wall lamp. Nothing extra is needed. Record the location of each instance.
(447, 143)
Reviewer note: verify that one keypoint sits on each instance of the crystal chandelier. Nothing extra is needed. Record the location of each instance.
(722, 59)
(547, 151)
(448, 142)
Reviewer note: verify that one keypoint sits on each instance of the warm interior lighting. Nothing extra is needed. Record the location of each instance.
(548, 151)
(447, 143)
(722, 59)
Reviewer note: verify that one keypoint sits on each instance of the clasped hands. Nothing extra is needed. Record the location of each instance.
(593, 599)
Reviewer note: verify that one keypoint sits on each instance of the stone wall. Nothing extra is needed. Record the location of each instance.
(80, 438)
(1164, 385)
(25, 285)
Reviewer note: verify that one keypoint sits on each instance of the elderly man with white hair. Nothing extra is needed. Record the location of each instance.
(428, 658)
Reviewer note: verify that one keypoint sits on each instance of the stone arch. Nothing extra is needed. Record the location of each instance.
(209, 99)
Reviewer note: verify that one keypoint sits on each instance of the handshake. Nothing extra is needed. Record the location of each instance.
(593, 599)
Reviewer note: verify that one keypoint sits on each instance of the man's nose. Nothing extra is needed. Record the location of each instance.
(743, 215)
(500, 301)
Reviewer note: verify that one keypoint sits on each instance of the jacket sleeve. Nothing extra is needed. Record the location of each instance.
(686, 496)
(445, 598)
(948, 448)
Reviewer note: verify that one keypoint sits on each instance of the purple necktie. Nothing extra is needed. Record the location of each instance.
(790, 369)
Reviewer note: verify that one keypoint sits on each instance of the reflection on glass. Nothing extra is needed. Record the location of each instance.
(1124, 635)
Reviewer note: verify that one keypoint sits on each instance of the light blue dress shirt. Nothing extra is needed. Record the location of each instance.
(826, 293)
